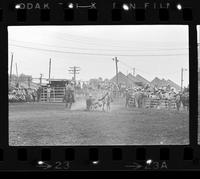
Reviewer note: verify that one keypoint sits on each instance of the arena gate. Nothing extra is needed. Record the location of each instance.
(56, 95)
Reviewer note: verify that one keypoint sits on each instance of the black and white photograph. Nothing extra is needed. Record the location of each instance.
(98, 85)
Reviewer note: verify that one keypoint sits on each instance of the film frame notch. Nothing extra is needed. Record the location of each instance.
(69, 154)
(45, 15)
(46, 154)
(117, 154)
(22, 154)
(188, 153)
(68, 14)
(164, 154)
(140, 15)
(164, 14)
(187, 14)
(21, 15)
(116, 14)
(92, 14)
(94, 156)
(141, 154)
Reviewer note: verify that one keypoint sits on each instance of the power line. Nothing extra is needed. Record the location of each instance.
(99, 54)
(135, 50)
(96, 40)
(92, 40)
(138, 69)
(11, 68)
(130, 67)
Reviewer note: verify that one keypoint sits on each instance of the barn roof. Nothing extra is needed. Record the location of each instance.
(158, 82)
(128, 80)
(142, 79)
(121, 78)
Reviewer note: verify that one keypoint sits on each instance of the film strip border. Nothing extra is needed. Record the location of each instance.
(100, 158)
(99, 12)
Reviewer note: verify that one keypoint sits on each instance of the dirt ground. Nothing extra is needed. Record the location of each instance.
(42, 124)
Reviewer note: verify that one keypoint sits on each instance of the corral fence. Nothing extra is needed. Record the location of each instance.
(155, 103)
(56, 94)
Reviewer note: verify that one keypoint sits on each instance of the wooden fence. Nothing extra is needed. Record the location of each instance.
(56, 94)
(155, 103)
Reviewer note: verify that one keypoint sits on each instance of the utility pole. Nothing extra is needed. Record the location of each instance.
(182, 70)
(11, 68)
(181, 79)
(49, 70)
(41, 79)
(116, 66)
(16, 70)
(17, 74)
(133, 71)
(29, 81)
(74, 70)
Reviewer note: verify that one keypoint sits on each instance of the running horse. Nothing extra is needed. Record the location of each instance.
(105, 101)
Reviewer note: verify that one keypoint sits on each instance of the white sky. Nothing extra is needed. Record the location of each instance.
(116, 41)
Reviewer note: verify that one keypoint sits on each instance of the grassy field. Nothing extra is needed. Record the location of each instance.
(51, 124)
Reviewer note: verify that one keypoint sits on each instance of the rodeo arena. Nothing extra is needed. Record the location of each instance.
(122, 110)
(100, 94)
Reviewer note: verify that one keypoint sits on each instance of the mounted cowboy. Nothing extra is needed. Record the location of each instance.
(69, 95)
(185, 100)
(182, 98)
(127, 96)
(106, 100)
(178, 101)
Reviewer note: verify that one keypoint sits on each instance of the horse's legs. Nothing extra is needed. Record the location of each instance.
(169, 105)
(103, 107)
(183, 107)
(178, 106)
(137, 103)
(70, 105)
(186, 107)
(108, 107)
